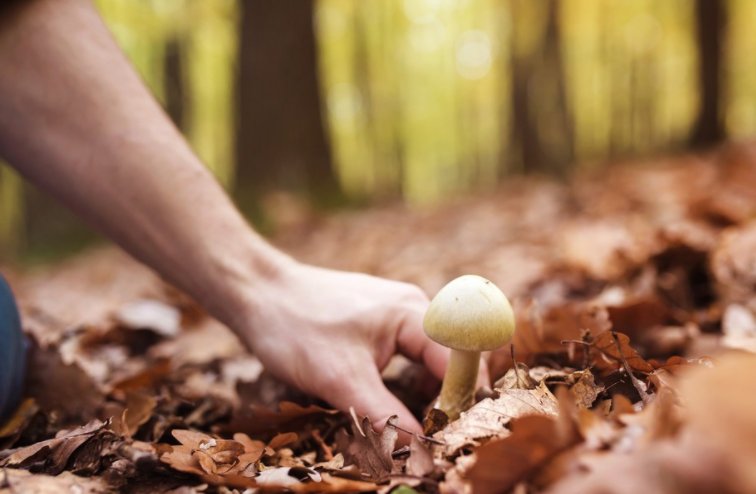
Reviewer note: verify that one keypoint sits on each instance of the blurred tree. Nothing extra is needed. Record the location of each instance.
(541, 123)
(711, 22)
(282, 141)
(173, 80)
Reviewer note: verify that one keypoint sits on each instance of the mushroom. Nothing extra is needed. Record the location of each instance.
(469, 315)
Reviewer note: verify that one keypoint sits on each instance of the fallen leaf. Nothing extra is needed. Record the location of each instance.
(669, 340)
(638, 315)
(420, 461)
(52, 455)
(286, 477)
(257, 419)
(139, 409)
(739, 328)
(609, 354)
(489, 418)
(606, 249)
(501, 463)
(205, 341)
(434, 421)
(282, 439)
(597, 432)
(64, 389)
(15, 481)
(517, 377)
(720, 410)
(155, 315)
(369, 450)
(732, 264)
(12, 429)
(333, 484)
(584, 388)
(546, 331)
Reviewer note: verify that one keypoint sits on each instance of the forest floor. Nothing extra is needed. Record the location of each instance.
(635, 295)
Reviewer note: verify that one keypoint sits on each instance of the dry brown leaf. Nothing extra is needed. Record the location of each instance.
(502, 463)
(584, 388)
(139, 409)
(610, 350)
(52, 455)
(369, 450)
(14, 481)
(420, 461)
(15, 425)
(663, 469)
(597, 432)
(606, 249)
(286, 476)
(621, 405)
(155, 315)
(489, 417)
(454, 480)
(434, 421)
(203, 342)
(253, 450)
(282, 439)
(636, 316)
(256, 419)
(720, 413)
(739, 328)
(517, 378)
(669, 340)
(732, 265)
(543, 333)
(217, 461)
(147, 378)
(64, 389)
(333, 484)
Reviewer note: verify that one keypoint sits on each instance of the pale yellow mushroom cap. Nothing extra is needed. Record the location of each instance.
(470, 313)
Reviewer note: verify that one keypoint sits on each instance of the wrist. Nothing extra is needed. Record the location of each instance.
(245, 283)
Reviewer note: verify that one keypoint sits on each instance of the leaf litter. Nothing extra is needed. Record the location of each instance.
(631, 369)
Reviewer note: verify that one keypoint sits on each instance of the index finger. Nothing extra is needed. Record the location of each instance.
(414, 344)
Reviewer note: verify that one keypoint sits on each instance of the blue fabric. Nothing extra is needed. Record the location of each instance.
(12, 353)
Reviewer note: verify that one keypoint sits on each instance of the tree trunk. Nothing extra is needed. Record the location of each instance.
(710, 29)
(282, 143)
(174, 82)
(541, 123)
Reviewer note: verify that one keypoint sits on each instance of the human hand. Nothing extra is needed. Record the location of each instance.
(330, 333)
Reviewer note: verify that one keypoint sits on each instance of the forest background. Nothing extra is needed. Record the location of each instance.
(337, 103)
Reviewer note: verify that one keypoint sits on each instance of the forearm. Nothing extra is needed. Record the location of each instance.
(77, 121)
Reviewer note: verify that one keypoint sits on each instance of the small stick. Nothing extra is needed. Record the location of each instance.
(575, 341)
(520, 385)
(419, 436)
(327, 451)
(637, 384)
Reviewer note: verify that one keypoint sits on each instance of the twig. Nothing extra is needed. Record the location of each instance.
(637, 384)
(419, 436)
(327, 451)
(586, 352)
(520, 385)
(575, 341)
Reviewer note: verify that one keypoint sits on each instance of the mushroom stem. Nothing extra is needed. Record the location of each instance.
(459, 383)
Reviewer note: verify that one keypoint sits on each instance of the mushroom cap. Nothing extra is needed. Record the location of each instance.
(470, 313)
